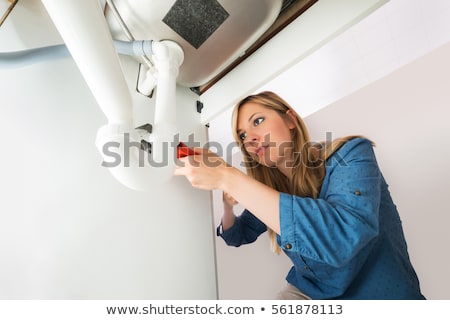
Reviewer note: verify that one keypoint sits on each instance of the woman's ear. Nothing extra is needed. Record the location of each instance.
(291, 119)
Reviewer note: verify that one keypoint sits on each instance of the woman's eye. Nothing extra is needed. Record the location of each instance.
(258, 121)
(242, 136)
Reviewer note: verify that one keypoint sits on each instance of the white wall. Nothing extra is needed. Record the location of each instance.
(394, 35)
(68, 229)
(314, 28)
(374, 79)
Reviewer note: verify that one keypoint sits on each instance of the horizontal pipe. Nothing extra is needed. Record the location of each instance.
(18, 59)
(23, 58)
(134, 48)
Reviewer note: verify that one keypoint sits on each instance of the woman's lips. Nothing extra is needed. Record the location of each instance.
(260, 151)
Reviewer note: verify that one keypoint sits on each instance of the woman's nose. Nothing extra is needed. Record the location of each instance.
(251, 142)
(252, 138)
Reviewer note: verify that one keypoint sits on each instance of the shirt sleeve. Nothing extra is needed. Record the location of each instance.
(344, 219)
(246, 229)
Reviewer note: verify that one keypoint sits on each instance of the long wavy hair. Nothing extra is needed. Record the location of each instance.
(308, 163)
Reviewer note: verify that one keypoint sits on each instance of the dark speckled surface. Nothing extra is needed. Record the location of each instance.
(195, 20)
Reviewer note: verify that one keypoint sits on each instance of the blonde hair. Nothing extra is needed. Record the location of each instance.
(308, 166)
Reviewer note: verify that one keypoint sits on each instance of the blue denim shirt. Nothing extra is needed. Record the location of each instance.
(349, 242)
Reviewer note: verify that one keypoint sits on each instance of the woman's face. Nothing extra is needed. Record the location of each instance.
(265, 134)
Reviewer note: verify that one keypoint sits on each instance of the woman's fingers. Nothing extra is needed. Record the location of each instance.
(203, 171)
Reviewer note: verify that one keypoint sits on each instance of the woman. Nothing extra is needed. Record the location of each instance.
(326, 205)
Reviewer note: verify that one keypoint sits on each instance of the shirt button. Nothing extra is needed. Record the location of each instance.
(357, 193)
(305, 267)
(288, 246)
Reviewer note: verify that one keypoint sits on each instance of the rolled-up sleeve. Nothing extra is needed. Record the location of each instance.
(246, 229)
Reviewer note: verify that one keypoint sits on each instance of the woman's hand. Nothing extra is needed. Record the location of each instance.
(208, 171)
(228, 216)
(205, 170)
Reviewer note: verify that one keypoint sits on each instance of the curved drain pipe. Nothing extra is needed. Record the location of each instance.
(86, 34)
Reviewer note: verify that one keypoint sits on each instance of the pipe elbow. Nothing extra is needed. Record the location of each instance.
(168, 51)
(130, 163)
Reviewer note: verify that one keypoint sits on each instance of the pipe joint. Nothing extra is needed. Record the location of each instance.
(167, 54)
(143, 48)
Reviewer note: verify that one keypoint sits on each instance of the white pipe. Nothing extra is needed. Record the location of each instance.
(130, 165)
(168, 56)
(82, 25)
(147, 81)
(17, 59)
(134, 48)
(119, 144)
(84, 30)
